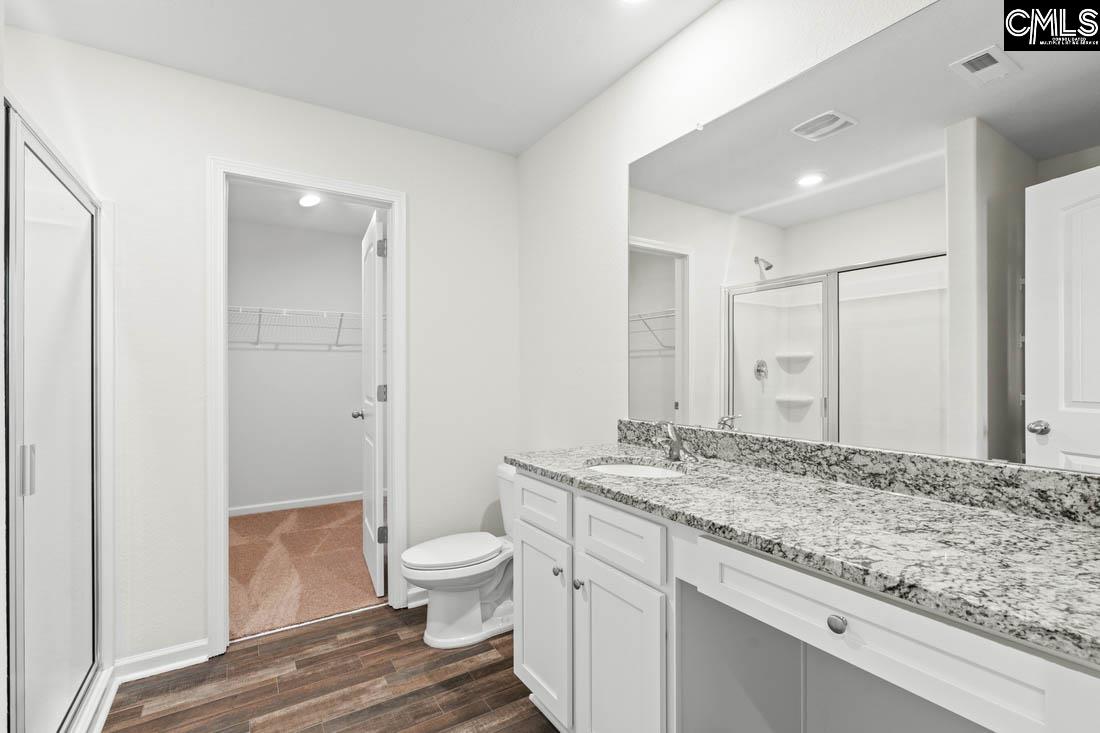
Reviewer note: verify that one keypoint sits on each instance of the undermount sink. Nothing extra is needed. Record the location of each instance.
(635, 470)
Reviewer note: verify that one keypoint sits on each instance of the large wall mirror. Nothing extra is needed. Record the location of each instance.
(898, 249)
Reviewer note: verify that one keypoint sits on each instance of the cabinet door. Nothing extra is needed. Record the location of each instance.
(543, 594)
(620, 651)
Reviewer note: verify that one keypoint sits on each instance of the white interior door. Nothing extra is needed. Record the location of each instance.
(373, 407)
(1062, 261)
(51, 412)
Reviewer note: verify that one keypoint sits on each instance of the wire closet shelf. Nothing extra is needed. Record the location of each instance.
(653, 333)
(294, 328)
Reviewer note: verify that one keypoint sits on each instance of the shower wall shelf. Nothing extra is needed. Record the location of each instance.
(654, 324)
(786, 400)
(294, 328)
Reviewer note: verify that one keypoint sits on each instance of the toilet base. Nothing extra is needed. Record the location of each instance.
(455, 619)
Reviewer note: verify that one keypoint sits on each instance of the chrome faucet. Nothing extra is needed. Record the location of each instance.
(728, 422)
(675, 443)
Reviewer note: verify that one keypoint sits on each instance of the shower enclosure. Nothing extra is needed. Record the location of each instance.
(856, 355)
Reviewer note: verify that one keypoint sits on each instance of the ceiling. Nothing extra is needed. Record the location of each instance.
(275, 204)
(494, 73)
(898, 87)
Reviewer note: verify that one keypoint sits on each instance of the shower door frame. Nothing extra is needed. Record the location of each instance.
(88, 709)
(830, 291)
(828, 341)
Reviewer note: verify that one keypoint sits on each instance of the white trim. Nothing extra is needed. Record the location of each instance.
(417, 596)
(218, 170)
(685, 286)
(276, 506)
(159, 661)
(97, 702)
(132, 668)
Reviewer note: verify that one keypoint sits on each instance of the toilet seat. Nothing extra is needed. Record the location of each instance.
(453, 551)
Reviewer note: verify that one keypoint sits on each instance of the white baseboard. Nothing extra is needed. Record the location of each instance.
(416, 597)
(161, 660)
(138, 666)
(97, 702)
(274, 506)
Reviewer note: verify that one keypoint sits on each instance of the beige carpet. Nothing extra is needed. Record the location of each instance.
(296, 565)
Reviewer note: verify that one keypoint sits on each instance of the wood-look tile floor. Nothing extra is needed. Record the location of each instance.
(366, 672)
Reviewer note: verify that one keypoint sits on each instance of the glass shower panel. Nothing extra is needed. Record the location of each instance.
(893, 349)
(58, 555)
(778, 338)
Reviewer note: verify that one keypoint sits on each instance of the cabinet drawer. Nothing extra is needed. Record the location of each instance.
(629, 543)
(544, 506)
(999, 687)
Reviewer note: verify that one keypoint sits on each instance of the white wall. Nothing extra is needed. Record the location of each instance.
(986, 178)
(1064, 165)
(704, 235)
(291, 438)
(140, 134)
(573, 269)
(899, 228)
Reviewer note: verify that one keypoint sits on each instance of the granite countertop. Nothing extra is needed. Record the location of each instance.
(1032, 580)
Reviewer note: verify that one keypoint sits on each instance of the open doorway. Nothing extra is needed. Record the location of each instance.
(307, 393)
(658, 313)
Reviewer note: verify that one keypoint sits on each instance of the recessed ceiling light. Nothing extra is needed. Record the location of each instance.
(810, 179)
(310, 199)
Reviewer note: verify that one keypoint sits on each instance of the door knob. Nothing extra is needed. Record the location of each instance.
(577, 584)
(1038, 427)
(556, 571)
(358, 414)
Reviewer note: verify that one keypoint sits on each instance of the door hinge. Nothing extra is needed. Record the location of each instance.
(383, 248)
(383, 535)
(383, 392)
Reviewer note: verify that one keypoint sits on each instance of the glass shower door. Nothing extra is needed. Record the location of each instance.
(51, 476)
(778, 364)
(893, 355)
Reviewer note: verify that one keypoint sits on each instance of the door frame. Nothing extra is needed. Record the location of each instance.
(94, 696)
(219, 171)
(684, 288)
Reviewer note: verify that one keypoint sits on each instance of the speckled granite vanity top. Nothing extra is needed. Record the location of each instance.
(1030, 579)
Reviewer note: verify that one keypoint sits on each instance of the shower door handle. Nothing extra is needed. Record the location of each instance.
(28, 457)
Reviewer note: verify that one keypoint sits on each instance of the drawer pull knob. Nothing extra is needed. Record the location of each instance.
(837, 624)
(556, 571)
(577, 584)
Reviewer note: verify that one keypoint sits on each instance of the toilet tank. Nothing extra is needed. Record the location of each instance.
(506, 484)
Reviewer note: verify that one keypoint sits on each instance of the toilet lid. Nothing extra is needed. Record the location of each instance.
(452, 551)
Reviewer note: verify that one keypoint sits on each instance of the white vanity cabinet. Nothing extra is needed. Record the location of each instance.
(628, 622)
(589, 637)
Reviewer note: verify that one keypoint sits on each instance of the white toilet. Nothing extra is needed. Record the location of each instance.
(468, 577)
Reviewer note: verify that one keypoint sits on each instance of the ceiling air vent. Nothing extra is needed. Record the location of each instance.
(823, 125)
(989, 64)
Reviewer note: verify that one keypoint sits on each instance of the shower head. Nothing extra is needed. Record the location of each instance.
(763, 263)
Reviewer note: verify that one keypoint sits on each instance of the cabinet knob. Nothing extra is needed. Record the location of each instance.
(577, 584)
(556, 571)
(837, 624)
